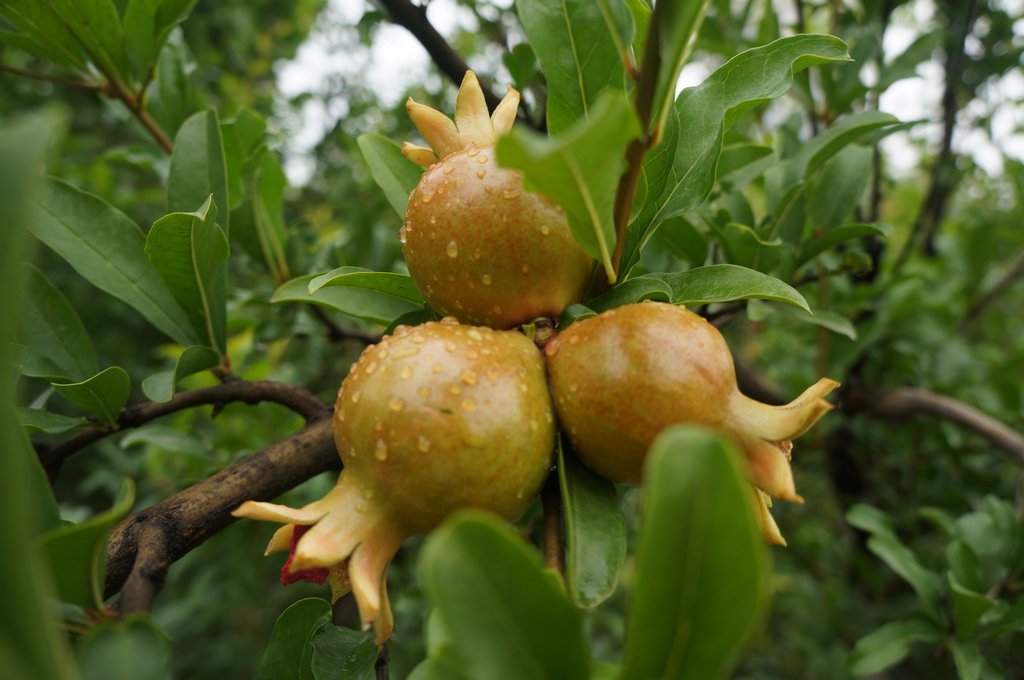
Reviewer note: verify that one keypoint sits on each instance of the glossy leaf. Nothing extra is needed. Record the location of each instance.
(191, 252)
(578, 52)
(96, 26)
(889, 645)
(244, 143)
(595, 532)
(632, 291)
(37, 420)
(728, 282)
(172, 97)
(77, 553)
(42, 33)
(831, 321)
(745, 81)
(108, 250)
(574, 313)
(160, 386)
(813, 247)
(128, 649)
(834, 195)
(701, 575)
(967, 658)
(361, 303)
(343, 654)
(396, 285)
(394, 173)
(506, 616)
(147, 23)
(289, 653)
(259, 221)
(50, 326)
(580, 170)
(198, 168)
(103, 395)
(968, 607)
(676, 25)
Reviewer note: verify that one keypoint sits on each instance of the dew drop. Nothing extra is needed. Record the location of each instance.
(407, 352)
(406, 372)
(449, 346)
(378, 426)
(355, 397)
(449, 321)
(380, 450)
(574, 388)
(472, 355)
(468, 405)
(476, 255)
(492, 375)
(424, 392)
(448, 170)
(459, 305)
(427, 198)
(371, 367)
(360, 508)
(396, 404)
(472, 151)
(433, 220)
(534, 425)
(352, 451)
(481, 173)
(510, 195)
(383, 354)
(367, 493)
(574, 340)
(423, 444)
(482, 159)
(401, 235)
(545, 229)
(496, 309)
(475, 334)
(455, 389)
(469, 377)
(486, 279)
(419, 339)
(526, 268)
(438, 368)
(452, 250)
(519, 494)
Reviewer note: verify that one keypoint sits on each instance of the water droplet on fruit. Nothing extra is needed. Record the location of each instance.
(574, 388)
(574, 340)
(424, 392)
(367, 493)
(406, 372)
(355, 397)
(526, 268)
(519, 494)
(545, 229)
(360, 508)
(449, 346)
(486, 279)
(469, 377)
(492, 375)
(423, 444)
(401, 235)
(534, 425)
(371, 367)
(468, 405)
(438, 368)
(378, 426)
(551, 349)
(383, 354)
(472, 151)
(476, 255)
(380, 450)
(449, 320)
(475, 334)
(482, 159)
(458, 303)
(510, 195)
(448, 170)
(427, 198)
(406, 353)
(472, 355)
(452, 250)
(496, 309)
(455, 389)
(433, 220)
(396, 404)
(481, 173)
(419, 339)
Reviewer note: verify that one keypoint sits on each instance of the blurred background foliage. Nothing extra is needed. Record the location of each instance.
(926, 319)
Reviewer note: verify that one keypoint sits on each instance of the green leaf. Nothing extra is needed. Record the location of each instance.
(108, 249)
(343, 654)
(1010, 620)
(289, 653)
(103, 395)
(191, 252)
(127, 649)
(414, 318)
(574, 313)
(396, 285)
(595, 532)
(967, 658)
(244, 144)
(36, 420)
(507, 617)
(160, 386)
(889, 645)
(701, 575)
(361, 303)
(815, 246)
(42, 33)
(77, 553)
(33, 645)
(171, 99)
(675, 25)
(147, 23)
(50, 326)
(396, 175)
(578, 52)
(829, 320)
(728, 282)
(198, 168)
(968, 607)
(886, 544)
(833, 196)
(96, 26)
(580, 170)
(259, 221)
(632, 291)
(708, 110)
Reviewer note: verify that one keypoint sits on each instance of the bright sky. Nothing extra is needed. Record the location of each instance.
(396, 60)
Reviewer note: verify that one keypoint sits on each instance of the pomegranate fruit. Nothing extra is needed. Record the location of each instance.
(478, 245)
(622, 377)
(432, 419)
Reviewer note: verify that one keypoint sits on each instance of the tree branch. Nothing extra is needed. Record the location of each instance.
(297, 399)
(413, 18)
(979, 306)
(905, 402)
(136, 558)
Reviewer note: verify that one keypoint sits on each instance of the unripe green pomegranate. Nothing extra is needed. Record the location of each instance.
(479, 246)
(432, 419)
(622, 377)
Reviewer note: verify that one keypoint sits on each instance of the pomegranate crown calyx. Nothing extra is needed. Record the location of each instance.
(472, 125)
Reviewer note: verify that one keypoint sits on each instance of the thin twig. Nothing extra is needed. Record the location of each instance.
(297, 399)
(192, 516)
(1001, 286)
(905, 402)
(551, 500)
(47, 77)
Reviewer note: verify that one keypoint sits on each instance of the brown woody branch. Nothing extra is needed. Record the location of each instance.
(142, 546)
(905, 402)
(297, 399)
(414, 19)
(1001, 286)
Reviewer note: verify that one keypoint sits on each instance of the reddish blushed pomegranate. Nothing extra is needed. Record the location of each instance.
(432, 419)
(622, 377)
(479, 246)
